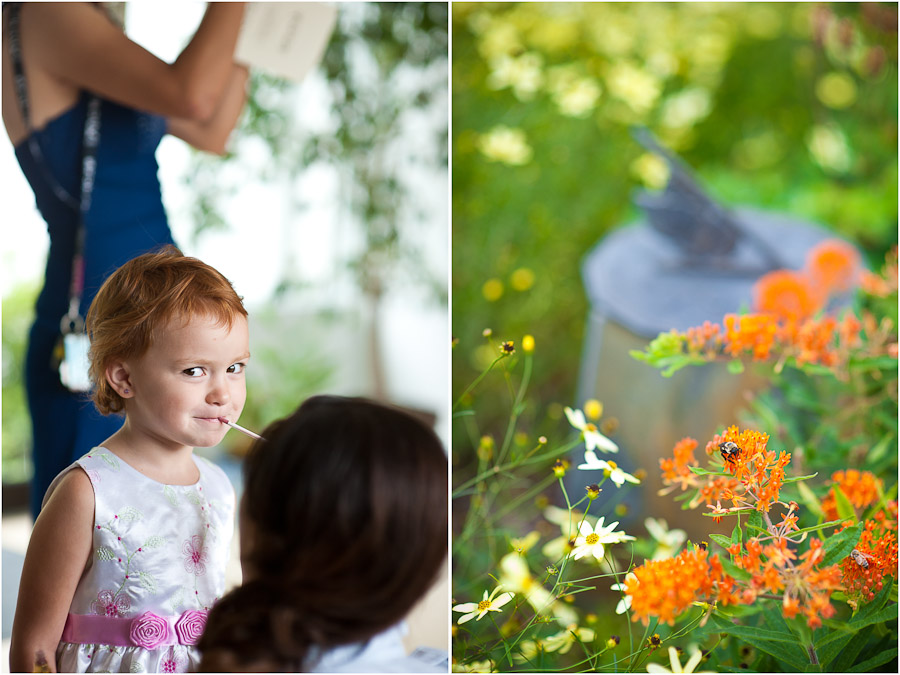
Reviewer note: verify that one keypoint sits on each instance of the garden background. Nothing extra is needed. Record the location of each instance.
(787, 107)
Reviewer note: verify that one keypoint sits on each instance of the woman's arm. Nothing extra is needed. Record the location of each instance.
(212, 135)
(79, 45)
(59, 549)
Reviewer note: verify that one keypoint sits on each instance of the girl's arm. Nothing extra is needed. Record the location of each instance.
(79, 45)
(212, 135)
(59, 549)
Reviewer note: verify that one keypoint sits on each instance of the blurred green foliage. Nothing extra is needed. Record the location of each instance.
(788, 106)
(386, 71)
(18, 314)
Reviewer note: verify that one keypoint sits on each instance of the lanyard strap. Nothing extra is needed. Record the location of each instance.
(89, 144)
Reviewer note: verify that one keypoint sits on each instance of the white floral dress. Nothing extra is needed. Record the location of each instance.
(157, 567)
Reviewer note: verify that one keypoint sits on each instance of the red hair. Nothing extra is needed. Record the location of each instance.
(140, 299)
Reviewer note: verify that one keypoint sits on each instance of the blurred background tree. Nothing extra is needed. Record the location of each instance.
(785, 106)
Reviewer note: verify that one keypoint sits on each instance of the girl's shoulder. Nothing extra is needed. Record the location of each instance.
(213, 475)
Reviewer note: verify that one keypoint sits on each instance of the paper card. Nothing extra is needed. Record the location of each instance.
(286, 39)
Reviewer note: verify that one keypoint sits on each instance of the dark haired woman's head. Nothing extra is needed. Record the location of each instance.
(343, 521)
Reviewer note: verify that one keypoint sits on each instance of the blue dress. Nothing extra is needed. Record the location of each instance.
(126, 219)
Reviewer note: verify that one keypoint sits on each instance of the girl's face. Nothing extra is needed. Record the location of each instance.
(188, 378)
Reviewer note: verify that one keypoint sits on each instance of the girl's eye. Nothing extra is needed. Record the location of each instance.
(196, 371)
(237, 368)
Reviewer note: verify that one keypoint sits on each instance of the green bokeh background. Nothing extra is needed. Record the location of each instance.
(784, 106)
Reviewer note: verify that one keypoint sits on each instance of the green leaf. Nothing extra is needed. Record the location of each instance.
(881, 448)
(838, 546)
(844, 507)
(737, 535)
(734, 571)
(781, 645)
(816, 528)
(800, 478)
(735, 366)
(809, 499)
(874, 363)
(755, 522)
(721, 540)
(836, 642)
(700, 471)
(878, 660)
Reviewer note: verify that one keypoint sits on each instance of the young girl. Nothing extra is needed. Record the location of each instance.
(343, 528)
(129, 551)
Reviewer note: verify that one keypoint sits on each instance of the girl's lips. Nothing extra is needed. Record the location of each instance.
(209, 419)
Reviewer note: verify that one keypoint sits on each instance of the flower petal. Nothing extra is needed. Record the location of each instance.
(465, 607)
(576, 418)
(693, 661)
(673, 658)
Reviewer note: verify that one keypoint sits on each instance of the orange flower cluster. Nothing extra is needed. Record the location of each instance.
(884, 284)
(758, 470)
(787, 295)
(803, 585)
(833, 266)
(666, 588)
(676, 473)
(860, 487)
(874, 558)
(825, 340)
(754, 333)
(784, 322)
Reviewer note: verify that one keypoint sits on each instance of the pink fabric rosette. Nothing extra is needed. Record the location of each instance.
(149, 630)
(190, 625)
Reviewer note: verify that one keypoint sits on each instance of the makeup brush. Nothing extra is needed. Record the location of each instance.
(241, 429)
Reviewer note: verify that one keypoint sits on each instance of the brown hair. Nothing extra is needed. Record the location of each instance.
(347, 501)
(140, 299)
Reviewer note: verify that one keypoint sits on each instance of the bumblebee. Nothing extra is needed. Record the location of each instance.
(730, 451)
(860, 558)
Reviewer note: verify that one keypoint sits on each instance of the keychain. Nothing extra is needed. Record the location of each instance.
(74, 365)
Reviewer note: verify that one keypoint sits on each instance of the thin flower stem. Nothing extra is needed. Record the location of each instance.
(478, 379)
(517, 402)
(512, 465)
(813, 657)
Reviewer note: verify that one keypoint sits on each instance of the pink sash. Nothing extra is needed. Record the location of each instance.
(147, 630)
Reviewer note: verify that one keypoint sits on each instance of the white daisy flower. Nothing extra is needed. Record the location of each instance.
(625, 603)
(593, 439)
(676, 664)
(591, 540)
(489, 603)
(618, 476)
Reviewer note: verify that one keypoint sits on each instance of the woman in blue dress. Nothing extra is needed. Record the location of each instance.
(68, 53)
